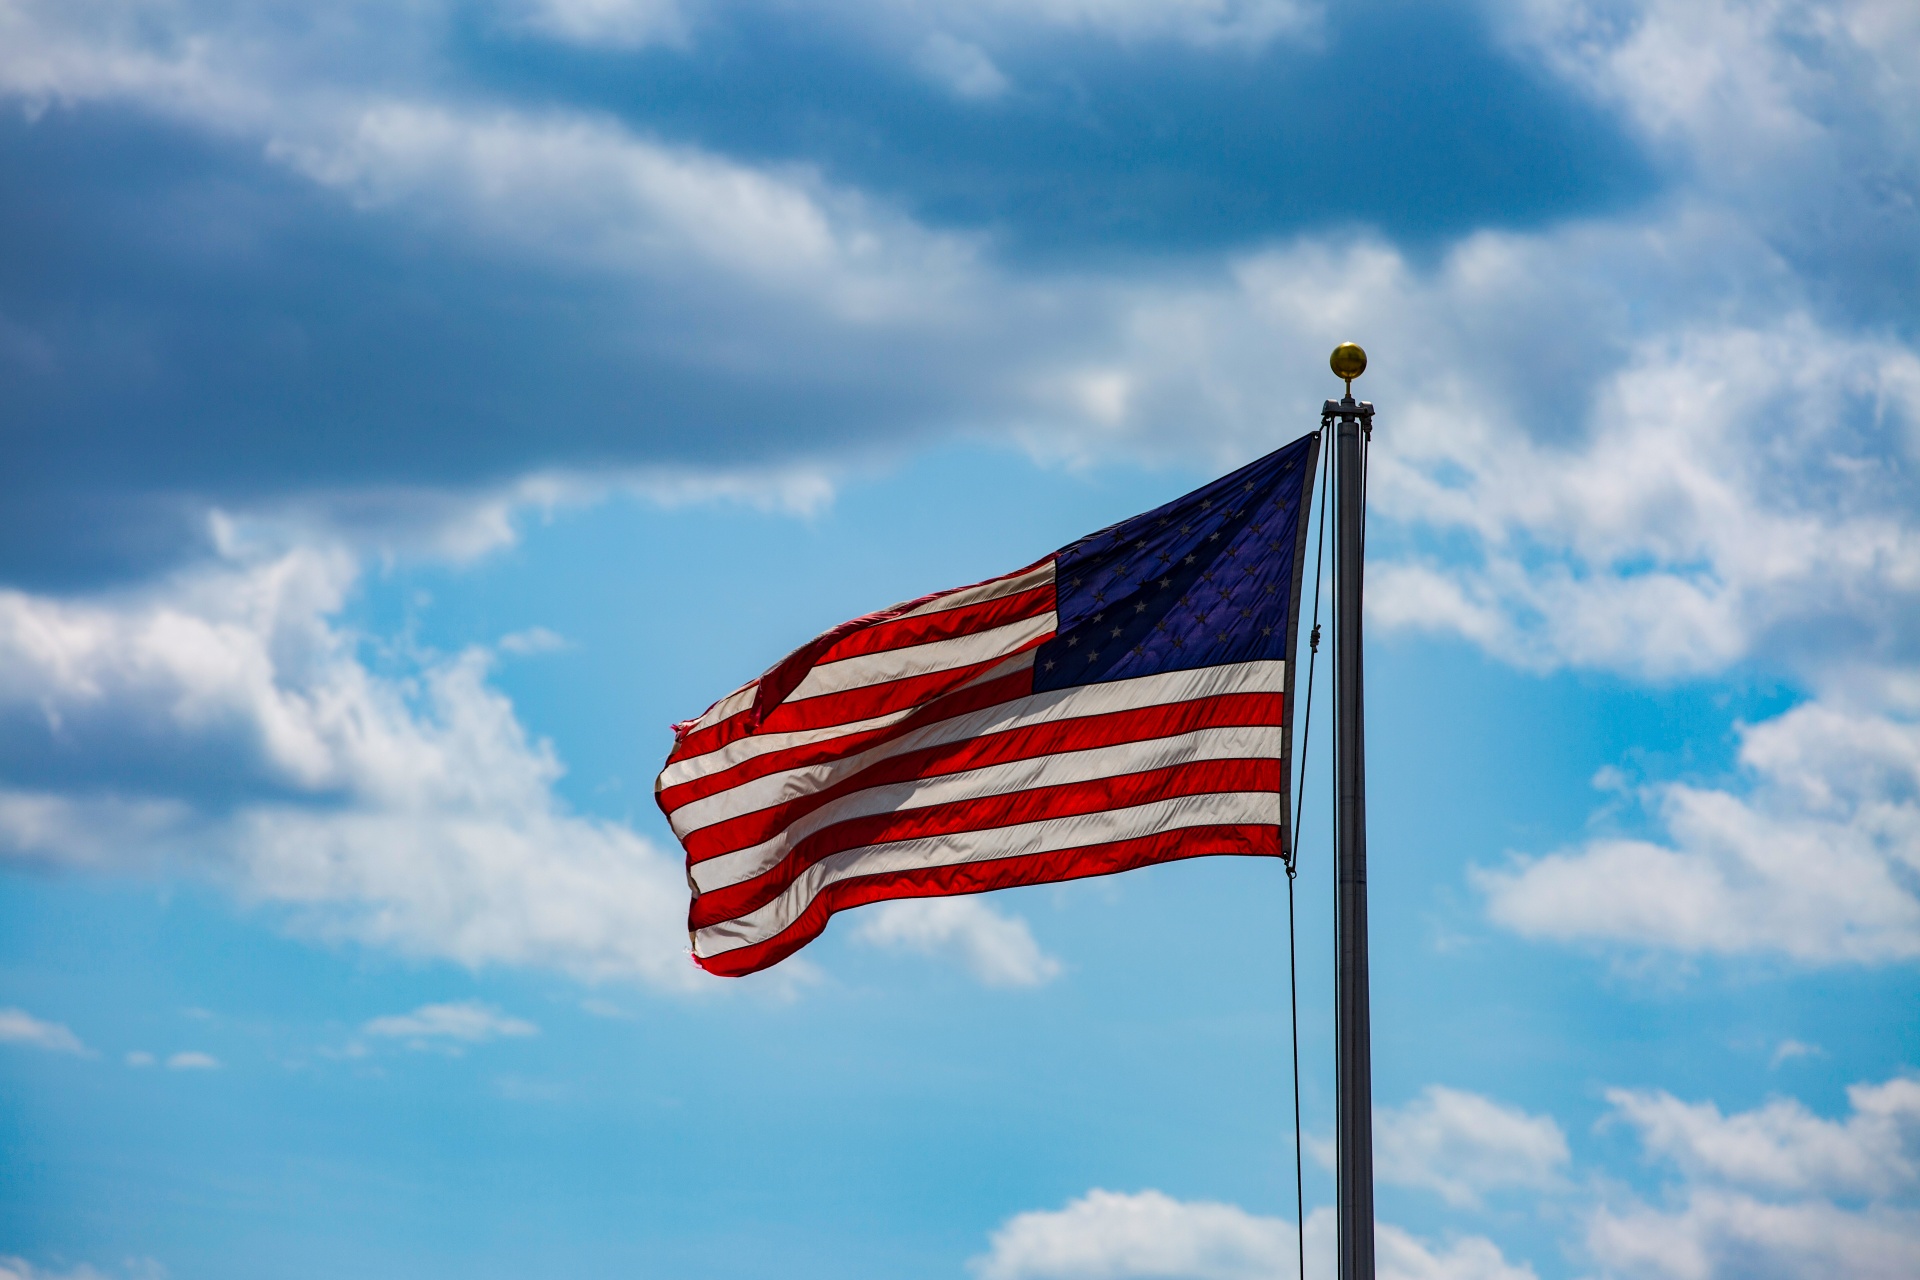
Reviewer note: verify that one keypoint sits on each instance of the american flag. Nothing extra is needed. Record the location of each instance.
(1125, 701)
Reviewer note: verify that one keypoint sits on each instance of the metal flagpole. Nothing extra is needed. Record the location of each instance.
(1353, 427)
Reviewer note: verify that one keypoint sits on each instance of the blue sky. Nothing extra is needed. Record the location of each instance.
(410, 410)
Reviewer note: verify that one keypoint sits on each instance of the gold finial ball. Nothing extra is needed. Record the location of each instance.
(1348, 361)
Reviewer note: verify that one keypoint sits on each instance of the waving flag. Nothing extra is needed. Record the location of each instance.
(1125, 701)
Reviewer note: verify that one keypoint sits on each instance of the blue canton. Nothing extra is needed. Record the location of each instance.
(1207, 579)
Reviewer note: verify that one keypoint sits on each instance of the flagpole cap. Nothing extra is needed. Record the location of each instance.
(1348, 362)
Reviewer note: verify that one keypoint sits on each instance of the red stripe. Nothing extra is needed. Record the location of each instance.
(907, 633)
(854, 704)
(698, 742)
(1000, 873)
(1078, 734)
(786, 675)
(874, 633)
(683, 728)
(1007, 688)
(983, 813)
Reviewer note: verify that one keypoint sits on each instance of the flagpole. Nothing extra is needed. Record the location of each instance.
(1352, 423)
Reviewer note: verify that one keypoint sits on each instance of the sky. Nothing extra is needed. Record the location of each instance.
(410, 410)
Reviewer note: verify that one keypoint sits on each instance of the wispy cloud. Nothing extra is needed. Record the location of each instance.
(1788, 1050)
(463, 1022)
(533, 640)
(997, 949)
(193, 1060)
(17, 1026)
(16, 1268)
(1783, 1148)
(1463, 1145)
(1775, 1191)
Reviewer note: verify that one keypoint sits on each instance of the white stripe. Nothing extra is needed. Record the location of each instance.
(1038, 576)
(743, 749)
(1233, 742)
(760, 744)
(960, 598)
(920, 659)
(1040, 708)
(734, 703)
(1223, 807)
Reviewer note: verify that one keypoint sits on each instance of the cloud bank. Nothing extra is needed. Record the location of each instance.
(1107, 1235)
(1670, 437)
(408, 811)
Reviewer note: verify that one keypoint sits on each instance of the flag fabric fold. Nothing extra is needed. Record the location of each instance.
(1125, 701)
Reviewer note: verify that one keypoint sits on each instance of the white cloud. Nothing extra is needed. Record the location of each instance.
(533, 640)
(1724, 78)
(140, 1058)
(1776, 1192)
(1723, 497)
(999, 950)
(571, 188)
(193, 1060)
(1781, 1147)
(1651, 450)
(1206, 24)
(626, 24)
(585, 191)
(1720, 1235)
(965, 69)
(1789, 1049)
(466, 1022)
(406, 810)
(17, 1026)
(1462, 1145)
(16, 1268)
(1109, 1235)
(1654, 448)
(1818, 861)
